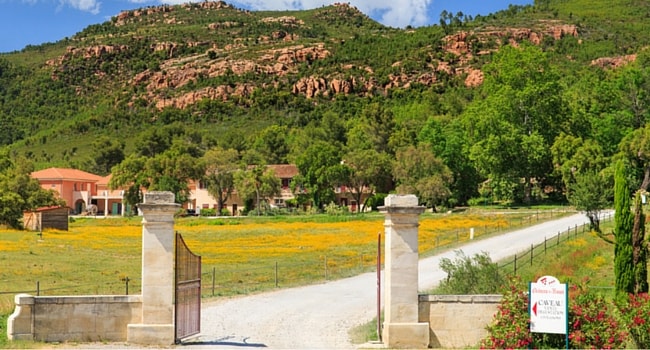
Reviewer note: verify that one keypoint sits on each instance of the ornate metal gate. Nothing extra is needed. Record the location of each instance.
(188, 291)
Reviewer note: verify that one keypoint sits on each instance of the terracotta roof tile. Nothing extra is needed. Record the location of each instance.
(284, 171)
(65, 174)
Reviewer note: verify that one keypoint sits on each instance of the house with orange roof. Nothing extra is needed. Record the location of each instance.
(80, 190)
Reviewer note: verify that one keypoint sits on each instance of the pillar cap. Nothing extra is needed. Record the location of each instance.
(406, 204)
(158, 197)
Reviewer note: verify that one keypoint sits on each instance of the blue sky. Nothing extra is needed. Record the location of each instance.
(33, 22)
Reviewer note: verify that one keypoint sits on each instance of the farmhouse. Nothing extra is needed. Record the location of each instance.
(88, 193)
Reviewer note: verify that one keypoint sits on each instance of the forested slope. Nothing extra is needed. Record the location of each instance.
(513, 106)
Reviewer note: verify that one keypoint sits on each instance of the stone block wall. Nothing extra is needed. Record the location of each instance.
(457, 321)
(74, 318)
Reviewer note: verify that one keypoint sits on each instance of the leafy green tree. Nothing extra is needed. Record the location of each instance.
(107, 152)
(320, 169)
(131, 176)
(271, 143)
(366, 169)
(220, 167)
(591, 193)
(19, 191)
(450, 143)
(514, 125)
(257, 182)
(636, 147)
(418, 171)
(624, 223)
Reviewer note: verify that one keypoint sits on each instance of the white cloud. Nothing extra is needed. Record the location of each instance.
(91, 6)
(394, 13)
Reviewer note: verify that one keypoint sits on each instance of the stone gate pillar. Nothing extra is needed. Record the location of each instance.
(157, 326)
(401, 326)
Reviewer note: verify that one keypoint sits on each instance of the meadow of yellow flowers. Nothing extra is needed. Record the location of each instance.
(239, 255)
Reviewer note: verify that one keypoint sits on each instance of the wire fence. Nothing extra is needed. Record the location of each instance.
(218, 280)
(528, 256)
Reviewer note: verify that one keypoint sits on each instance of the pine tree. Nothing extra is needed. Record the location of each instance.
(639, 248)
(624, 222)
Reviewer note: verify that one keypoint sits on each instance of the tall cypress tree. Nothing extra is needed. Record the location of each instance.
(639, 248)
(624, 223)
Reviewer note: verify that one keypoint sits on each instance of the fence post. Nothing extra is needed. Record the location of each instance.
(214, 276)
(126, 281)
(276, 274)
(532, 247)
(515, 264)
(576, 230)
(558, 238)
(325, 266)
(38, 288)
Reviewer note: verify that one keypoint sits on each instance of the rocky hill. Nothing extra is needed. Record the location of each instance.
(223, 76)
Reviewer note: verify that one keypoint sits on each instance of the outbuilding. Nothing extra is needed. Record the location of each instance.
(46, 217)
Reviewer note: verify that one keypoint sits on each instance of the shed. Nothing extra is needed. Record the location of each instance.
(46, 217)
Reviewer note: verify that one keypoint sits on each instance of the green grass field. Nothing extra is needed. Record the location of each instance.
(246, 254)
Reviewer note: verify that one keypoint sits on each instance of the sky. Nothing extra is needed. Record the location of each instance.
(33, 22)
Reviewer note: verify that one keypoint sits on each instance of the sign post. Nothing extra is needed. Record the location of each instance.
(549, 307)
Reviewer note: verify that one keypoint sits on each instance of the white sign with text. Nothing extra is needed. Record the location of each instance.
(548, 306)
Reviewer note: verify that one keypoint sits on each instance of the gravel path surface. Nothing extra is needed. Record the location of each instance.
(320, 316)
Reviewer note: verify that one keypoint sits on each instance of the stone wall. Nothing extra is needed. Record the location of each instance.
(74, 318)
(457, 321)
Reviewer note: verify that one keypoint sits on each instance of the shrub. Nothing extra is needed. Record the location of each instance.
(208, 212)
(471, 275)
(591, 322)
(336, 210)
(635, 313)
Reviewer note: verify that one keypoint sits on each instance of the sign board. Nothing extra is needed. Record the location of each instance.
(548, 306)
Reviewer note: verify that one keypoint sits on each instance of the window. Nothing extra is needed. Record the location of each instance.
(285, 183)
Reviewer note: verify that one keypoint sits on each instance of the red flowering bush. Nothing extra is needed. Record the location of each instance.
(635, 312)
(591, 323)
(510, 327)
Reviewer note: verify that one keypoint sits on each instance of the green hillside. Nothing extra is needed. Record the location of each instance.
(188, 78)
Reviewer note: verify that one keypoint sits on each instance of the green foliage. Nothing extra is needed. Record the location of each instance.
(470, 275)
(208, 212)
(543, 114)
(623, 259)
(418, 171)
(591, 193)
(635, 312)
(19, 191)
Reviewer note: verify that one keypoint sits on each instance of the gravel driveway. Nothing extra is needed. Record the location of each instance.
(320, 316)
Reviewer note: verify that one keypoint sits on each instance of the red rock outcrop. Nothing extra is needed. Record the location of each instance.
(613, 62)
(310, 87)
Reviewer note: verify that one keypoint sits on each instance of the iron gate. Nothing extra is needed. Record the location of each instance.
(188, 291)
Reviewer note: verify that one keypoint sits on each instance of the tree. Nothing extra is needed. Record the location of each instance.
(513, 127)
(20, 192)
(130, 175)
(271, 143)
(107, 152)
(418, 171)
(639, 248)
(636, 147)
(320, 170)
(220, 167)
(591, 193)
(365, 170)
(257, 182)
(624, 223)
